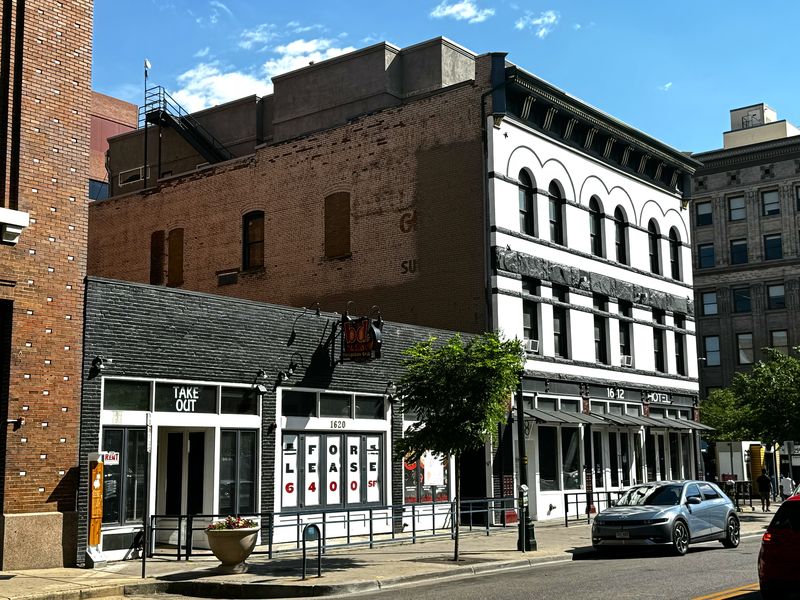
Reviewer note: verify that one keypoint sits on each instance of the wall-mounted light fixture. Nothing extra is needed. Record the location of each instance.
(285, 375)
(684, 201)
(390, 393)
(99, 364)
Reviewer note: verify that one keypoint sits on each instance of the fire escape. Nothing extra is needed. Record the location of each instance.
(162, 110)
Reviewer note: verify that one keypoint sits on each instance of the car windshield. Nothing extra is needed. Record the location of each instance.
(652, 495)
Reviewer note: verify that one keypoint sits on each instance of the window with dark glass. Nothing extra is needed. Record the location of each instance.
(530, 320)
(675, 254)
(772, 247)
(779, 340)
(595, 227)
(703, 214)
(237, 472)
(556, 209)
(711, 347)
(658, 341)
(126, 395)
(770, 203)
(738, 252)
(744, 344)
(239, 401)
(601, 330)
(709, 301)
(654, 240)
(526, 204)
(548, 459)
(298, 404)
(797, 198)
(626, 310)
(680, 344)
(560, 325)
(776, 297)
(571, 458)
(705, 256)
(337, 225)
(370, 407)
(98, 190)
(253, 240)
(123, 485)
(736, 208)
(741, 300)
(620, 236)
(338, 406)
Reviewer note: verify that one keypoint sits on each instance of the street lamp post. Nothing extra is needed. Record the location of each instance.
(527, 536)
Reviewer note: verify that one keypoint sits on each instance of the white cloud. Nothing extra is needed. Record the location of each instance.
(541, 25)
(207, 84)
(261, 35)
(210, 83)
(666, 87)
(463, 10)
(202, 53)
(300, 53)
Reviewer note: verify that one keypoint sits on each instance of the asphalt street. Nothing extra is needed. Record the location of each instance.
(704, 572)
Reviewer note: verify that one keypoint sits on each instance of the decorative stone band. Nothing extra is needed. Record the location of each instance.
(539, 268)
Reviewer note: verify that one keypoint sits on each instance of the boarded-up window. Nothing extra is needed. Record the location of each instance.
(157, 258)
(175, 251)
(253, 240)
(337, 225)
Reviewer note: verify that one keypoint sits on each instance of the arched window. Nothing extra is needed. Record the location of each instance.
(620, 236)
(253, 240)
(675, 254)
(595, 227)
(526, 205)
(556, 214)
(654, 239)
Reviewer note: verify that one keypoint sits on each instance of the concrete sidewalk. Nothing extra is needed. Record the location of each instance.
(343, 570)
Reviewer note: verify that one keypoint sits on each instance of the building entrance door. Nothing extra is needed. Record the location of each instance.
(184, 462)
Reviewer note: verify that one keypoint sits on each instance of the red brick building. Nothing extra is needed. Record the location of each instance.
(109, 117)
(45, 95)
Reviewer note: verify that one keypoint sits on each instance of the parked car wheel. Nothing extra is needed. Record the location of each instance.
(732, 533)
(680, 538)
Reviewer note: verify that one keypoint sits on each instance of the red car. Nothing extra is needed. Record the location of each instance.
(778, 561)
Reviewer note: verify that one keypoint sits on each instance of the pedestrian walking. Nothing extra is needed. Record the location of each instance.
(787, 486)
(764, 488)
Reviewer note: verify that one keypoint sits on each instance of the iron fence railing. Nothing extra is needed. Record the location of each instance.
(368, 526)
(579, 507)
(741, 492)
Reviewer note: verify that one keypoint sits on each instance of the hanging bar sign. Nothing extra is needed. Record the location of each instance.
(361, 339)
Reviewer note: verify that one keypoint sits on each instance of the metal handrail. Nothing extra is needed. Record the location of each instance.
(600, 501)
(382, 524)
(158, 99)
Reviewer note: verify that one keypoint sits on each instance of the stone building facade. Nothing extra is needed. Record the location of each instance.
(746, 224)
(45, 95)
(451, 190)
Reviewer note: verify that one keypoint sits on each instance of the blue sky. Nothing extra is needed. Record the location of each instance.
(672, 69)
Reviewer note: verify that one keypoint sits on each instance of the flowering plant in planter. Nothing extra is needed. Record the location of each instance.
(232, 523)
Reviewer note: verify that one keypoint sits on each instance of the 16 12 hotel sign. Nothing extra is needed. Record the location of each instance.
(361, 338)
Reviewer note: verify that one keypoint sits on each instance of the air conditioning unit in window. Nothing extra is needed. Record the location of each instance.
(531, 346)
(626, 360)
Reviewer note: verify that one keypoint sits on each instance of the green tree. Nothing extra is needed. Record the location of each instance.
(459, 392)
(763, 404)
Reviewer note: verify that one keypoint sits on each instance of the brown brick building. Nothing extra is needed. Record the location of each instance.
(45, 95)
(109, 117)
(415, 220)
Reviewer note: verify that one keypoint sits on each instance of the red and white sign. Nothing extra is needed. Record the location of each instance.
(333, 494)
(312, 471)
(110, 458)
(373, 468)
(353, 462)
(289, 491)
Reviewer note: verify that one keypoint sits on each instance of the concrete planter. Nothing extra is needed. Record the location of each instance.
(232, 546)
